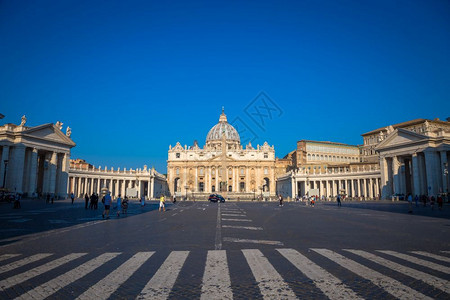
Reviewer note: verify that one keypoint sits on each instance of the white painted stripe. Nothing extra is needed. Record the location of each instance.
(265, 242)
(23, 262)
(19, 278)
(331, 286)
(108, 285)
(242, 227)
(270, 282)
(49, 288)
(448, 252)
(417, 261)
(435, 256)
(162, 282)
(438, 283)
(216, 279)
(7, 256)
(390, 285)
(234, 215)
(218, 240)
(236, 220)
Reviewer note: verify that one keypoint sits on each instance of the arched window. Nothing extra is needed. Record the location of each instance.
(177, 171)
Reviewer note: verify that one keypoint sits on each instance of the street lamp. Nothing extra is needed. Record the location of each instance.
(4, 173)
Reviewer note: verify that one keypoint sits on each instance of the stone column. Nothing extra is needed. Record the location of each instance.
(5, 156)
(395, 175)
(64, 175)
(444, 164)
(416, 173)
(358, 185)
(385, 186)
(370, 188)
(293, 183)
(353, 187)
(33, 174)
(320, 188)
(17, 168)
(430, 167)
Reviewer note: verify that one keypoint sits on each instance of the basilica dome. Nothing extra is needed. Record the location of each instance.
(215, 134)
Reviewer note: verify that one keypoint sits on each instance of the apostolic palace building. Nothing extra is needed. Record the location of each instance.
(409, 157)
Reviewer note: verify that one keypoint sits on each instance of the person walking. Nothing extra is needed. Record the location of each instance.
(161, 203)
(440, 201)
(107, 204)
(410, 203)
(338, 199)
(125, 205)
(416, 199)
(72, 196)
(119, 205)
(280, 198)
(86, 201)
(91, 203)
(142, 201)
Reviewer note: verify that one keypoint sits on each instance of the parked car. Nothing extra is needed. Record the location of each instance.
(216, 198)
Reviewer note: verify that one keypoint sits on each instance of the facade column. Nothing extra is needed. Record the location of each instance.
(320, 188)
(430, 167)
(371, 188)
(151, 188)
(358, 186)
(444, 165)
(17, 168)
(5, 156)
(65, 166)
(33, 174)
(377, 189)
(395, 174)
(352, 182)
(385, 185)
(416, 178)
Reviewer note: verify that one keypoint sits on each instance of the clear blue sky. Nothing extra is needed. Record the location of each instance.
(132, 77)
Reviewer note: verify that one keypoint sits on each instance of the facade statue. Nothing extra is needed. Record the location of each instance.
(68, 131)
(59, 125)
(24, 120)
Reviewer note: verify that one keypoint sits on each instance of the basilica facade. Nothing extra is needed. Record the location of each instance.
(222, 166)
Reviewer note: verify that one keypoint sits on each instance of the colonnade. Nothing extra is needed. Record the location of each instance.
(134, 183)
(419, 173)
(32, 171)
(361, 184)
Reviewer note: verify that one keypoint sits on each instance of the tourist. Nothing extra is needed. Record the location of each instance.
(424, 200)
(280, 198)
(142, 201)
(338, 199)
(161, 203)
(96, 201)
(416, 199)
(410, 203)
(432, 200)
(86, 201)
(92, 198)
(440, 202)
(72, 196)
(119, 205)
(125, 205)
(107, 202)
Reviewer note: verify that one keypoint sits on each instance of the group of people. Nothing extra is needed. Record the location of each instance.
(121, 205)
(425, 199)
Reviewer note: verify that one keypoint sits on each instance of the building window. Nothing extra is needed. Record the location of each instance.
(213, 188)
(201, 171)
(230, 172)
(213, 171)
(266, 155)
(201, 186)
(178, 171)
(177, 155)
(266, 171)
(242, 171)
(230, 188)
(242, 186)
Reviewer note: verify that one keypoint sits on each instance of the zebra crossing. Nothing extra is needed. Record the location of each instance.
(389, 271)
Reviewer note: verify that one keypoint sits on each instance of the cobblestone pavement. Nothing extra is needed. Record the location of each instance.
(226, 251)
